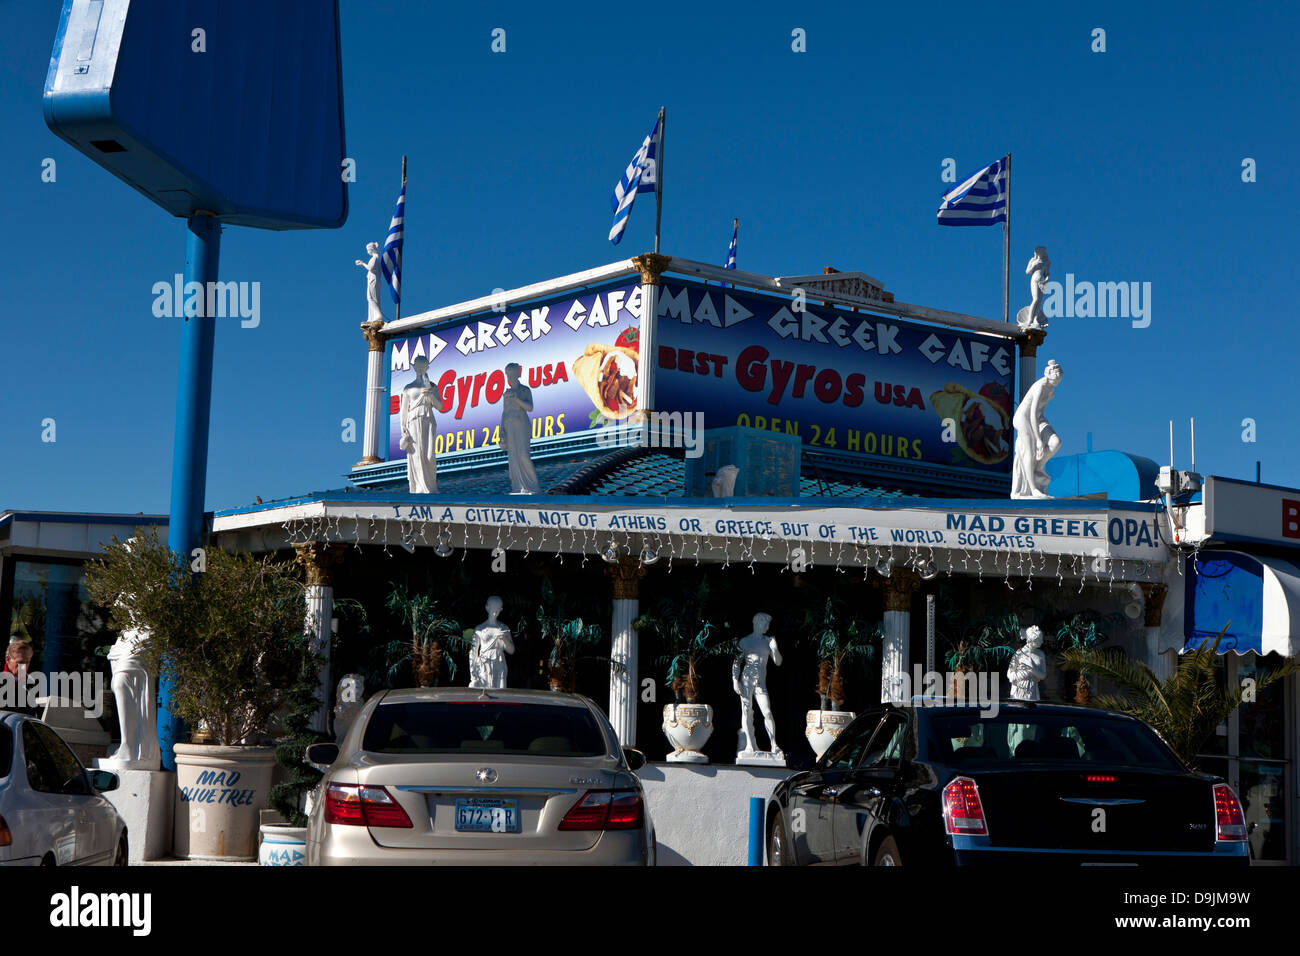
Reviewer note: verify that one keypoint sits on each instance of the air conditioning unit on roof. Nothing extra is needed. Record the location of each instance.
(767, 463)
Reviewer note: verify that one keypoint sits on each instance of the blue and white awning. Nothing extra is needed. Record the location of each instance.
(1258, 598)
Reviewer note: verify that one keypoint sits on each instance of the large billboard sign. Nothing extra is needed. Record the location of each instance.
(578, 353)
(848, 382)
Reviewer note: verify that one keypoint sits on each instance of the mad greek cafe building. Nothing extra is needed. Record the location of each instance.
(813, 440)
(870, 442)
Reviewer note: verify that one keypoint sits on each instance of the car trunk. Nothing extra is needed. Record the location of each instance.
(1054, 808)
(542, 789)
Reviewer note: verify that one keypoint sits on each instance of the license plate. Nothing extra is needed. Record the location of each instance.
(487, 815)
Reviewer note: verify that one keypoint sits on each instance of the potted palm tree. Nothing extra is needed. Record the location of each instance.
(984, 644)
(1084, 631)
(844, 643)
(683, 628)
(571, 639)
(433, 634)
(229, 641)
(1185, 708)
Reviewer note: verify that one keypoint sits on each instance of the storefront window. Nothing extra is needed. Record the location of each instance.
(1249, 751)
(1261, 741)
(52, 610)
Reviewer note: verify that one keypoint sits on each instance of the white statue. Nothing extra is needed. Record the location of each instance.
(419, 429)
(137, 714)
(374, 281)
(1036, 439)
(487, 658)
(1039, 271)
(1028, 666)
(348, 700)
(517, 433)
(749, 680)
(724, 482)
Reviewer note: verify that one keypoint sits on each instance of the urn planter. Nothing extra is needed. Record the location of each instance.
(220, 792)
(688, 727)
(823, 726)
(282, 845)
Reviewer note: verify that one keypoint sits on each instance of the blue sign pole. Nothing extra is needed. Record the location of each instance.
(755, 831)
(193, 412)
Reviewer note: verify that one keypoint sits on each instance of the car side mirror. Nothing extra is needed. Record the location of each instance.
(635, 758)
(103, 781)
(321, 755)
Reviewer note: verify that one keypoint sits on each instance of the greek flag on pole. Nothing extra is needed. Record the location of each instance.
(640, 177)
(731, 250)
(979, 201)
(391, 261)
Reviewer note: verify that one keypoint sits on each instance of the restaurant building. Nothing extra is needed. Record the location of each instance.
(804, 445)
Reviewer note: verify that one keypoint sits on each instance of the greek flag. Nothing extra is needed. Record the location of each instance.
(979, 201)
(731, 250)
(391, 261)
(641, 177)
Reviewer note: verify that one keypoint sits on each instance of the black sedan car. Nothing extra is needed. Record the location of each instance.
(934, 784)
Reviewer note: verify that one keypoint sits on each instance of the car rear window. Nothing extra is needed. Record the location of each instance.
(1018, 737)
(483, 727)
(6, 749)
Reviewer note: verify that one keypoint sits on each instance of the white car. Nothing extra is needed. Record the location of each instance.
(51, 808)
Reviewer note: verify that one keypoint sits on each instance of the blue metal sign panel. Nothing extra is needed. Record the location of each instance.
(234, 107)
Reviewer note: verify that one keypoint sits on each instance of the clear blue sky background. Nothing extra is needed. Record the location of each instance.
(1127, 166)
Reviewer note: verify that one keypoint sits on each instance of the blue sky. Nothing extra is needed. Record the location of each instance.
(1126, 165)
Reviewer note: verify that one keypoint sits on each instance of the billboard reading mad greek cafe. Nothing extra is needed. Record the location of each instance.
(579, 353)
(844, 381)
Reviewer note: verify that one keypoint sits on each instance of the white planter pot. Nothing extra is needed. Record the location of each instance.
(823, 726)
(688, 727)
(220, 792)
(282, 845)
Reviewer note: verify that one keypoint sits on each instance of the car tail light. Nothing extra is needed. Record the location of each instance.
(605, 810)
(1100, 777)
(1229, 823)
(963, 814)
(6, 838)
(361, 806)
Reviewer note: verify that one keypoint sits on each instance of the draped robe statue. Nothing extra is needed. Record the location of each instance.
(374, 280)
(517, 434)
(419, 429)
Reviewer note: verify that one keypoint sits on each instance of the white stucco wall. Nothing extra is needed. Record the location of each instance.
(701, 812)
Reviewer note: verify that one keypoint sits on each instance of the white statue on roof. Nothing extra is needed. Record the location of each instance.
(419, 429)
(517, 433)
(1039, 271)
(374, 281)
(1036, 439)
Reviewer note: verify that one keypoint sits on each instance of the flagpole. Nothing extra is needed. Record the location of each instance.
(399, 300)
(1006, 251)
(659, 174)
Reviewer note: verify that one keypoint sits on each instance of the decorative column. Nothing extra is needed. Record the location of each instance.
(651, 265)
(318, 560)
(895, 650)
(1029, 359)
(623, 679)
(1152, 607)
(374, 421)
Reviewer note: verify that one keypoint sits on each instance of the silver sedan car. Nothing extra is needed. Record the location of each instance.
(455, 775)
(51, 811)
